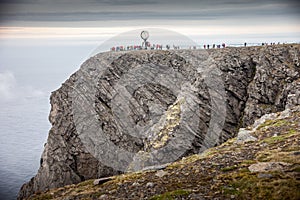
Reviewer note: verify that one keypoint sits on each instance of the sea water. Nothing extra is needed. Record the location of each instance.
(28, 75)
(23, 131)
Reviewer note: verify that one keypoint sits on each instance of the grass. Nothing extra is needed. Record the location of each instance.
(248, 162)
(43, 197)
(279, 138)
(171, 195)
(247, 185)
(273, 140)
(226, 169)
(274, 123)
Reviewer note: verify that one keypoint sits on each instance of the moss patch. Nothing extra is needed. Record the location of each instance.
(43, 197)
(274, 123)
(225, 169)
(171, 195)
(247, 185)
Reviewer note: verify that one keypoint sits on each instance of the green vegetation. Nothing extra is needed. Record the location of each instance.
(248, 162)
(225, 169)
(274, 123)
(279, 138)
(248, 185)
(171, 195)
(43, 197)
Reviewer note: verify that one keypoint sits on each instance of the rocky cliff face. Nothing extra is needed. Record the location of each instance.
(262, 162)
(128, 111)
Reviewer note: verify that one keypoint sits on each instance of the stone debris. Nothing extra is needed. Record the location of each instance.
(102, 180)
(268, 166)
(263, 175)
(150, 185)
(245, 136)
(161, 173)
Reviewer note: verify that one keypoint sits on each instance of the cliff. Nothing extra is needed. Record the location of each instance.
(128, 111)
(262, 162)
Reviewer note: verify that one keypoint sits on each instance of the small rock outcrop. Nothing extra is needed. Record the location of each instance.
(126, 111)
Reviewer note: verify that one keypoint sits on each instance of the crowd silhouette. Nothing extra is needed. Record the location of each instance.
(149, 46)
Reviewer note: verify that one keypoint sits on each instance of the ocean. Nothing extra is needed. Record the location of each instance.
(28, 75)
(23, 131)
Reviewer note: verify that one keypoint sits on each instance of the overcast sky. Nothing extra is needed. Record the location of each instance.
(185, 16)
(55, 12)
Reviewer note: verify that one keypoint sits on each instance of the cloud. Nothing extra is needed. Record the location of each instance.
(108, 16)
(126, 2)
(99, 10)
(11, 90)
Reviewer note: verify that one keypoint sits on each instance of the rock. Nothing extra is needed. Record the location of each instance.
(135, 109)
(102, 180)
(104, 197)
(268, 166)
(156, 167)
(263, 175)
(196, 197)
(135, 184)
(161, 173)
(245, 136)
(150, 185)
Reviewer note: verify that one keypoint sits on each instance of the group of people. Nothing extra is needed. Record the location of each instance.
(137, 47)
(176, 47)
(207, 46)
(158, 47)
(128, 48)
(272, 43)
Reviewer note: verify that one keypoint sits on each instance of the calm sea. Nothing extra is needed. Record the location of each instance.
(28, 74)
(23, 131)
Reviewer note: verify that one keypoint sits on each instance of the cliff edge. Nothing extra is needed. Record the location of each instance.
(129, 111)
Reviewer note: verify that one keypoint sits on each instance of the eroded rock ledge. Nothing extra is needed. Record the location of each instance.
(182, 101)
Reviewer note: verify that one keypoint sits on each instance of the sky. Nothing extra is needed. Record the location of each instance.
(206, 19)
